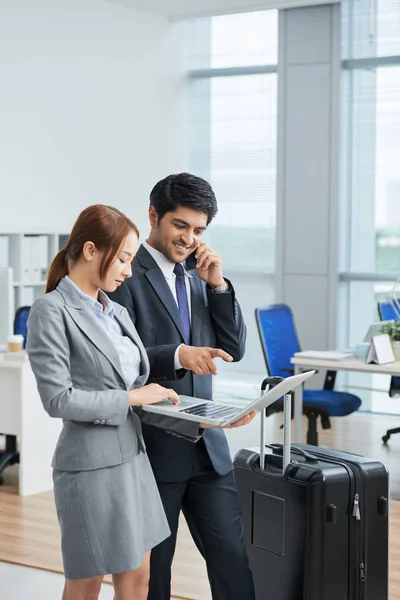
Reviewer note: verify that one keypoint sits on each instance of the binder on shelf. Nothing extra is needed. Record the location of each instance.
(380, 352)
(26, 296)
(4, 252)
(34, 266)
(25, 258)
(43, 256)
(34, 258)
(7, 306)
(39, 251)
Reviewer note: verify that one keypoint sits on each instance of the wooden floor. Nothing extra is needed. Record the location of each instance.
(29, 533)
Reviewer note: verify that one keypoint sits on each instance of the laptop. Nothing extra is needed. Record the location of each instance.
(218, 414)
(375, 329)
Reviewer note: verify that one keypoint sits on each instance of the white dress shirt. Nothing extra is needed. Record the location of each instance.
(128, 352)
(167, 269)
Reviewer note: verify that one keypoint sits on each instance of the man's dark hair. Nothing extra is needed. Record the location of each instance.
(183, 189)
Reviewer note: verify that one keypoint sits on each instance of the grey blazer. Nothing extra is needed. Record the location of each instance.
(79, 379)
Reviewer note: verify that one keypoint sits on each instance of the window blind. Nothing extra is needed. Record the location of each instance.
(371, 107)
(370, 190)
(370, 29)
(233, 133)
(237, 40)
(233, 144)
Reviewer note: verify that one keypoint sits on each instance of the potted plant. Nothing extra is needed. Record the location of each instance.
(393, 331)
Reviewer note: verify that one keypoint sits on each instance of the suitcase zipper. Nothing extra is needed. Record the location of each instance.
(356, 507)
(361, 529)
(355, 513)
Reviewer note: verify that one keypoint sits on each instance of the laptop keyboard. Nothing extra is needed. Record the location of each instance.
(212, 410)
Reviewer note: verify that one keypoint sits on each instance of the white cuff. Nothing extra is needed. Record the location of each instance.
(177, 364)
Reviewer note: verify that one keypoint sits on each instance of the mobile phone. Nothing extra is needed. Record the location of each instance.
(191, 261)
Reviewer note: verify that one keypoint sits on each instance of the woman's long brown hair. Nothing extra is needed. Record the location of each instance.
(103, 225)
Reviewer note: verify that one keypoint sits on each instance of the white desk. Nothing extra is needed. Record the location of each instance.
(351, 364)
(22, 414)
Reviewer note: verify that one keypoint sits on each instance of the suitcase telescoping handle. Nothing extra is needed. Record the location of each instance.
(287, 418)
(278, 449)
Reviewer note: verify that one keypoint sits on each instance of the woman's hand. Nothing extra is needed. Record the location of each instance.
(150, 394)
(243, 421)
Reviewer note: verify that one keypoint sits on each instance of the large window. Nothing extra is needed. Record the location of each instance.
(233, 138)
(370, 209)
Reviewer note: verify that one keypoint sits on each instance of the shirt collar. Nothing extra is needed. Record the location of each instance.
(101, 306)
(166, 266)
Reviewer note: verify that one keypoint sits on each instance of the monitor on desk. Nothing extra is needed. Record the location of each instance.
(375, 329)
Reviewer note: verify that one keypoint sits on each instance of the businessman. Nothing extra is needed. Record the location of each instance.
(186, 314)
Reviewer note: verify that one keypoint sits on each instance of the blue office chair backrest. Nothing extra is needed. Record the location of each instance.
(387, 311)
(20, 322)
(278, 337)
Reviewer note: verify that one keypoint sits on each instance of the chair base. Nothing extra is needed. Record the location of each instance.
(312, 418)
(390, 432)
(10, 456)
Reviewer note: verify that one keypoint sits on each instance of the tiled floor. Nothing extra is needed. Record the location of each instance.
(21, 583)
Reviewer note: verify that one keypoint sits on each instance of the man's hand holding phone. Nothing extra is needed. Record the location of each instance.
(209, 266)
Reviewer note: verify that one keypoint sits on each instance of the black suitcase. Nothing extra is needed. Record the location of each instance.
(316, 528)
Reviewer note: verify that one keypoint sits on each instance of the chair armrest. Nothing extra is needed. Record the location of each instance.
(330, 378)
(394, 390)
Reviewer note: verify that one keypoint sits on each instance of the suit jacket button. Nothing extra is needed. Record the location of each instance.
(108, 421)
(96, 422)
(102, 422)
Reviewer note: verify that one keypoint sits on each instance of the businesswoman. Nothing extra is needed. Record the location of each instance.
(90, 367)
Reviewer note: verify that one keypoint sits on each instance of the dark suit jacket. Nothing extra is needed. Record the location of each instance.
(216, 321)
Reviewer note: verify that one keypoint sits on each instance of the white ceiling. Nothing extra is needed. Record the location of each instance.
(177, 9)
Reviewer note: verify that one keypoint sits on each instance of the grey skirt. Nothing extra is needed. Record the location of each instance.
(108, 517)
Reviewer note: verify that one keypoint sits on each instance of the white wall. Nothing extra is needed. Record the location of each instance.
(92, 109)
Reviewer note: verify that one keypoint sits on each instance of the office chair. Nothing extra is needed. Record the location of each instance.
(10, 455)
(387, 313)
(279, 342)
(20, 322)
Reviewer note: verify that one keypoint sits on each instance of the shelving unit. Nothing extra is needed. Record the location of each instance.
(29, 256)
